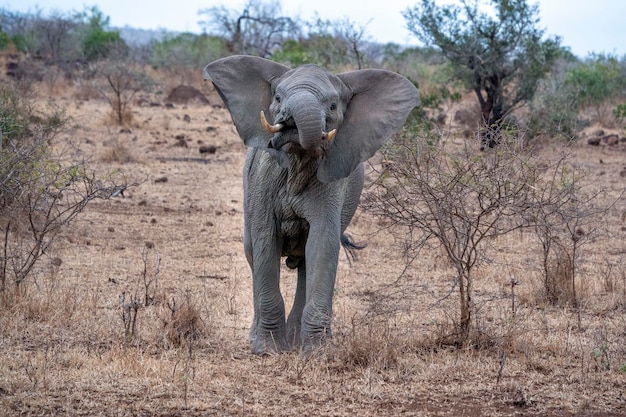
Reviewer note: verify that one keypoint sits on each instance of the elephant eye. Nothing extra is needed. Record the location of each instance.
(277, 98)
(333, 106)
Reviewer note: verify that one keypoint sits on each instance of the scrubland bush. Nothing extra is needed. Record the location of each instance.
(118, 81)
(41, 189)
(464, 201)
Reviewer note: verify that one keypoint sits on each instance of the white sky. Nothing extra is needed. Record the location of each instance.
(584, 25)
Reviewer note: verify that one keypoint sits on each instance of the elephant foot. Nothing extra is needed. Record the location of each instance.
(266, 343)
(311, 342)
(315, 328)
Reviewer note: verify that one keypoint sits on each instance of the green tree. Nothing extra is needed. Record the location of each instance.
(5, 40)
(97, 42)
(596, 81)
(500, 54)
(292, 53)
(333, 44)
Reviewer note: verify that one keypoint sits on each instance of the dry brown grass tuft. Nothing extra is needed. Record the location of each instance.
(117, 152)
(183, 325)
(558, 280)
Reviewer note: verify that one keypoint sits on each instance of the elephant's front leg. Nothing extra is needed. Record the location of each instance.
(268, 331)
(322, 254)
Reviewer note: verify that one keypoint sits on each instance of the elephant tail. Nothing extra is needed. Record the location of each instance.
(350, 247)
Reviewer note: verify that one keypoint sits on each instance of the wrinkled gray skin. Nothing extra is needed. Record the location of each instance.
(300, 189)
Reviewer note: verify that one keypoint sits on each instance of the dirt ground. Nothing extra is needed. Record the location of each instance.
(176, 239)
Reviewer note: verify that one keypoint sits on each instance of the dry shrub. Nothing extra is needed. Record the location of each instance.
(367, 344)
(183, 324)
(117, 152)
(86, 92)
(120, 113)
(558, 287)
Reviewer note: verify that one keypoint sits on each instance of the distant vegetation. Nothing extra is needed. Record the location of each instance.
(502, 58)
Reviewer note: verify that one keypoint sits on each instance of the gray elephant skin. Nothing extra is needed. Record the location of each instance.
(308, 133)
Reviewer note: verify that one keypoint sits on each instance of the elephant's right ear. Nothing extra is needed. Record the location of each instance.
(245, 83)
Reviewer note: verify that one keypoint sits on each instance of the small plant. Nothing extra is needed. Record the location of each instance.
(184, 324)
(620, 113)
(150, 281)
(595, 82)
(128, 312)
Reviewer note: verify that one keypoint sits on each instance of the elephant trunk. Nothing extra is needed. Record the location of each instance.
(309, 118)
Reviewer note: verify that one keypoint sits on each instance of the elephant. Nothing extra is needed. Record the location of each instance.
(308, 132)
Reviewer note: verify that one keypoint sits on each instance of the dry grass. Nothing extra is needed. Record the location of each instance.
(64, 351)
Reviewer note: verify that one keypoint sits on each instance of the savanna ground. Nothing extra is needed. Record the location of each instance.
(174, 242)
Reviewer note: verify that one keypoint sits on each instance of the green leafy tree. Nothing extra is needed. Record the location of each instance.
(97, 42)
(499, 54)
(292, 53)
(5, 40)
(333, 44)
(596, 81)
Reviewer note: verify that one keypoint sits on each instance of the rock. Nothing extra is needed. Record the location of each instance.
(181, 140)
(160, 180)
(611, 140)
(208, 149)
(594, 141)
(185, 94)
(187, 118)
(465, 117)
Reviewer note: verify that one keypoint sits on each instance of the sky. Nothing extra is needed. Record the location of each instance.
(585, 26)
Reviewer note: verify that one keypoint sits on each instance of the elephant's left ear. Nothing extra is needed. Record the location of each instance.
(380, 103)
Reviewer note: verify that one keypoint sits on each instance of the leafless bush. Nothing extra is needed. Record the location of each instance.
(563, 216)
(117, 152)
(465, 201)
(117, 81)
(41, 190)
(462, 199)
(558, 272)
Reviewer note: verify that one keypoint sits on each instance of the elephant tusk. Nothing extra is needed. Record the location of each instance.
(268, 127)
(329, 136)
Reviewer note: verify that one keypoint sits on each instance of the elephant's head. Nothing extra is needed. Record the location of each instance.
(341, 119)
